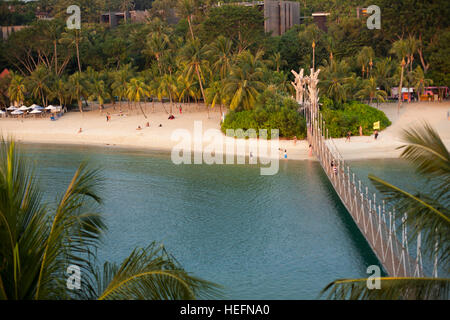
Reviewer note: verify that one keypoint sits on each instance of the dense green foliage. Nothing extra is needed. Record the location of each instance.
(220, 55)
(273, 111)
(351, 115)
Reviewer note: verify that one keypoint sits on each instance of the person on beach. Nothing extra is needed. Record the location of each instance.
(171, 117)
(79, 131)
(285, 154)
(310, 150)
(295, 140)
(147, 124)
(360, 131)
(181, 110)
(107, 117)
(139, 128)
(160, 125)
(349, 134)
(376, 134)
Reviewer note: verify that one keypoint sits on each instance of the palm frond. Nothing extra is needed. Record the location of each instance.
(151, 273)
(423, 215)
(75, 228)
(390, 289)
(426, 151)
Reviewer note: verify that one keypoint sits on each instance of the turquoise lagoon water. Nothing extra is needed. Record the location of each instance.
(261, 237)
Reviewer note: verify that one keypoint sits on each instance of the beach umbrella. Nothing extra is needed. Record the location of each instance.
(38, 108)
(50, 107)
(33, 106)
(17, 112)
(2, 112)
(35, 111)
(23, 108)
(11, 108)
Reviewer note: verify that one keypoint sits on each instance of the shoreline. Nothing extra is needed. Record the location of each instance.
(120, 132)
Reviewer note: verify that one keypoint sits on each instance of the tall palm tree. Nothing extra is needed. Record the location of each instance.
(244, 83)
(167, 88)
(121, 79)
(419, 80)
(17, 89)
(400, 49)
(221, 56)
(427, 214)
(136, 91)
(38, 242)
(78, 88)
(73, 38)
(193, 56)
(186, 9)
(156, 46)
(215, 94)
(370, 90)
(336, 79)
(364, 59)
(38, 83)
(383, 73)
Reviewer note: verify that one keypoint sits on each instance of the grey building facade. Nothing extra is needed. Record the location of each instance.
(280, 16)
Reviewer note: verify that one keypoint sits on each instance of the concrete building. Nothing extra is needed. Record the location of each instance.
(280, 16)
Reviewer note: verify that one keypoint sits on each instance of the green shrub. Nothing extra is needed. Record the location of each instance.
(353, 115)
(272, 111)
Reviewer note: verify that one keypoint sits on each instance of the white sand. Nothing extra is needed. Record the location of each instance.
(121, 130)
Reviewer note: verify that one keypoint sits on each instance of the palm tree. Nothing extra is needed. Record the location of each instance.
(136, 91)
(78, 88)
(364, 59)
(17, 89)
(121, 79)
(97, 90)
(38, 83)
(427, 214)
(215, 94)
(167, 87)
(38, 243)
(400, 49)
(193, 56)
(220, 53)
(156, 46)
(370, 90)
(383, 73)
(277, 61)
(335, 80)
(58, 90)
(411, 45)
(244, 83)
(186, 9)
(419, 80)
(72, 37)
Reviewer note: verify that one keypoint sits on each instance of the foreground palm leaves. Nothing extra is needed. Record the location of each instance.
(427, 214)
(38, 243)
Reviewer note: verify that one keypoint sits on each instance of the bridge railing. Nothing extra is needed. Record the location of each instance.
(378, 225)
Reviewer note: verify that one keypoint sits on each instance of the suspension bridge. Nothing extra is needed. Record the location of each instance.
(378, 225)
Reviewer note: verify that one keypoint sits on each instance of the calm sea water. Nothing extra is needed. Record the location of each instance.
(261, 237)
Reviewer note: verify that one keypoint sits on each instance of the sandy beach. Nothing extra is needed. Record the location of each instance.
(121, 131)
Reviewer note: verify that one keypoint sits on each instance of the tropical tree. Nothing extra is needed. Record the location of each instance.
(96, 87)
(427, 214)
(193, 56)
(186, 9)
(383, 73)
(419, 80)
(167, 88)
(336, 80)
(371, 91)
(78, 88)
(38, 242)
(365, 59)
(400, 49)
(73, 38)
(121, 79)
(244, 83)
(221, 56)
(17, 89)
(156, 46)
(38, 83)
(277, 61)
(136, 91)
(215, 94)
